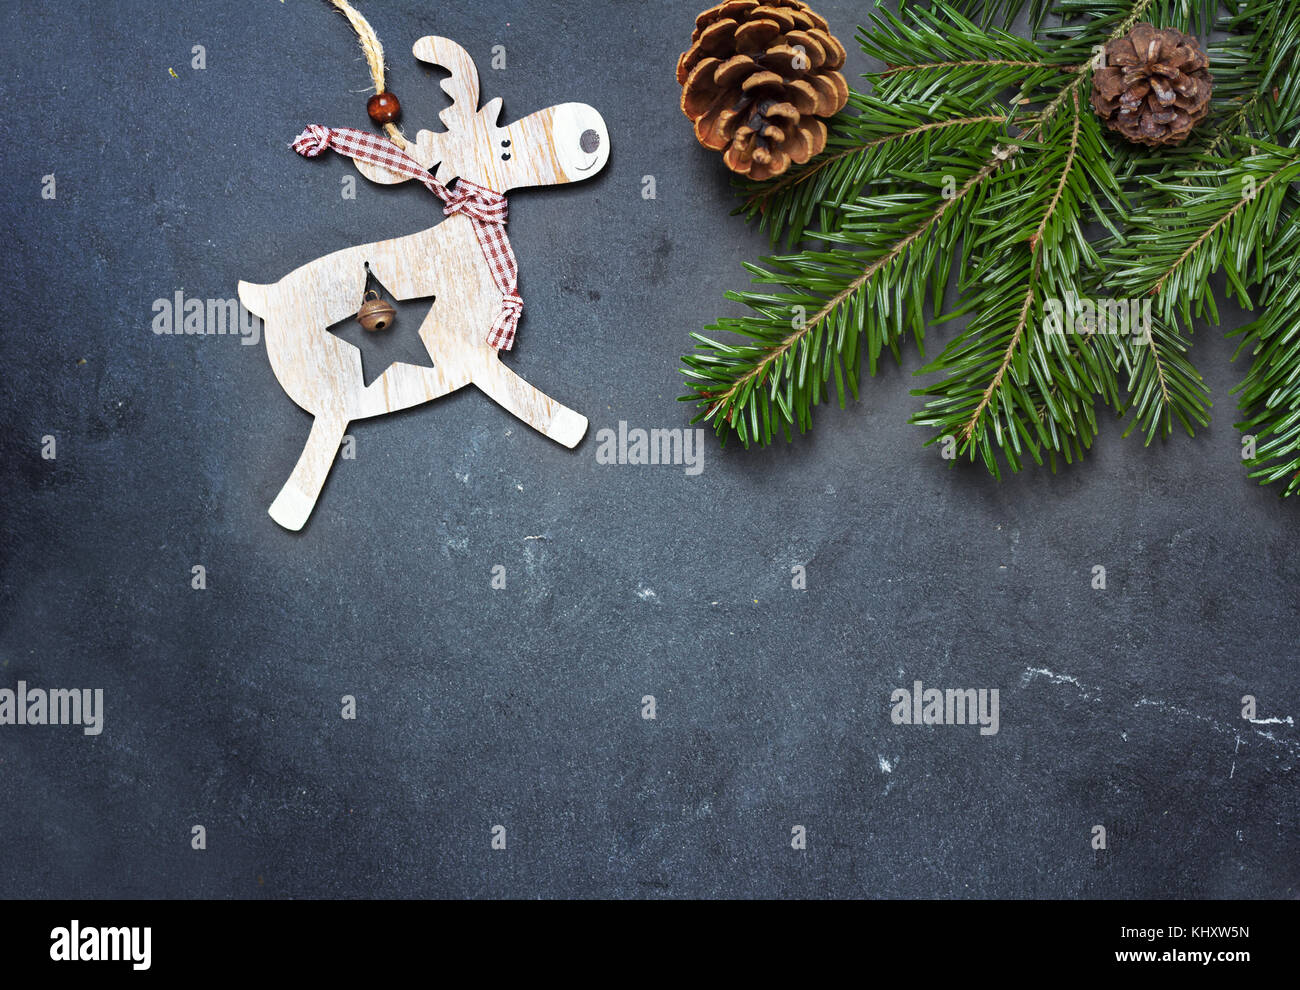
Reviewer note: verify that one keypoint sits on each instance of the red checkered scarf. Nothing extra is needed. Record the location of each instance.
(485, 208)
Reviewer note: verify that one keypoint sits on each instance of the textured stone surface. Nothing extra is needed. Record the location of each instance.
(522, 707)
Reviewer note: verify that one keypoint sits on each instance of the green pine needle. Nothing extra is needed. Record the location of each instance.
(976, 154)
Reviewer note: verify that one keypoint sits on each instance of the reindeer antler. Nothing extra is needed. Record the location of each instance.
(461, 86)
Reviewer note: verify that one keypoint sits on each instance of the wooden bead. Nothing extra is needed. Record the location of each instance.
(383, 108)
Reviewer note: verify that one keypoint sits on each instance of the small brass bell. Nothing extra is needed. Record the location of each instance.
(375, 314)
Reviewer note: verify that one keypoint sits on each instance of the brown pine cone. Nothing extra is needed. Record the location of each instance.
(1155, 86)
(755, 80)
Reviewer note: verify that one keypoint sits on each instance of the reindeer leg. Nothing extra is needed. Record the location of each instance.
(530, 404)
(298, 496)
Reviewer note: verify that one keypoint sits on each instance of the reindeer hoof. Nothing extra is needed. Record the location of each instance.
(568, 427)
(291, 508)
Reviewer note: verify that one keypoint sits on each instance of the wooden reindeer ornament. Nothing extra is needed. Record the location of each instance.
(464, 263)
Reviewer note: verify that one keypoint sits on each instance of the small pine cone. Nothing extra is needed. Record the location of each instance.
(1155, 86)
(756, 80)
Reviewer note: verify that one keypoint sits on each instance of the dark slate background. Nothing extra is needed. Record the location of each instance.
(521, 707)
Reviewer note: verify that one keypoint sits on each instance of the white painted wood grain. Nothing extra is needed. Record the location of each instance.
(322, 373)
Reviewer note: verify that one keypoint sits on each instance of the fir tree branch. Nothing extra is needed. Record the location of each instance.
(1270, 393)
(884, 139)
(794, 177)
(1005, 367)
(743, 383)
(1225, 217)
(1198, 229)
(1035, 242)
(968, 429)
(1065, 175)
(1172, 249)
(1016, 224)
(984, 63)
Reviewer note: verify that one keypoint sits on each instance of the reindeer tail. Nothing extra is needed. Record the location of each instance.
(254, 298)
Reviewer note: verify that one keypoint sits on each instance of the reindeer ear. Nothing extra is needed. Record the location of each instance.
(492, 111)
(462, 86)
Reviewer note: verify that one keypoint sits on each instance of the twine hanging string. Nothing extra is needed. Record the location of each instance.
(374, 53)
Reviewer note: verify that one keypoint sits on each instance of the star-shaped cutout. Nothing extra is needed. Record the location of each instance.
(399, 343)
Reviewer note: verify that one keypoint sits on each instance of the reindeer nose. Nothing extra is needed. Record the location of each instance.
(589, 141)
